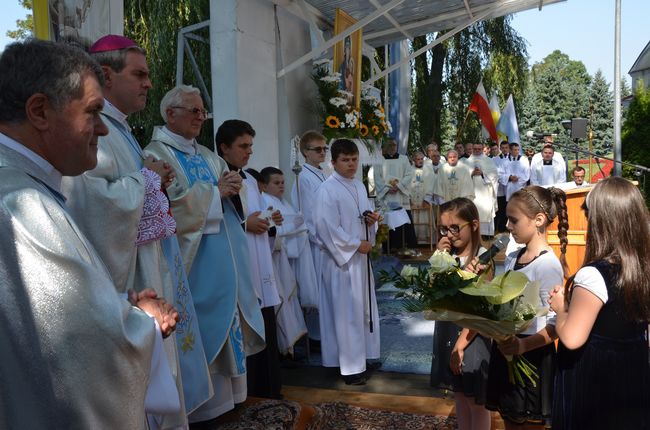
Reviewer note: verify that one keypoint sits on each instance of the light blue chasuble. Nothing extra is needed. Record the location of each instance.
(197, 388)
(217, 271)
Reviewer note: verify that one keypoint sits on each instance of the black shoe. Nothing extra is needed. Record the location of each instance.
(314, 345)
(357, 379)
(371, 366)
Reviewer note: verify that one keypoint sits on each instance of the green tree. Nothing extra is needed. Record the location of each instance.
(154, 25)
(562, 87)
(635, 134)
(446, 77)
(602, 115)
(527, 114)
(25, 27)
(490, 50)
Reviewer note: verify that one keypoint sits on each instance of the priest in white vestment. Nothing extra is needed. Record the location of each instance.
(486, 184)
(111, 202)
(345, 223)
(423, 180)
(392, 186)
(313, 147)
(73, 353)
(517, 172)
(453, 180)
(578, 173)
(208, 230)
(547, 170)
(501, 161)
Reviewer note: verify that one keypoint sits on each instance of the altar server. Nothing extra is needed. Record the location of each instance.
(313, 147)
(234, 141)
(209, 231)
(345, 223)
(517, 171)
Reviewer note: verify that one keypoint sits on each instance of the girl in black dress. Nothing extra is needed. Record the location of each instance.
(461, 357)
(603, 377)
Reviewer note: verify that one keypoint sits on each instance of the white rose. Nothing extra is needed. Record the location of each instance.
(409, 272)
(442, 262)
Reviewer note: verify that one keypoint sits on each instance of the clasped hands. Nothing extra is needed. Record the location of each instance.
(165, 314)
(162, 168)
(229, 184)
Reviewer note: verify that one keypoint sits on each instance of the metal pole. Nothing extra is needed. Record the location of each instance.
(370, 322)
(618, 156)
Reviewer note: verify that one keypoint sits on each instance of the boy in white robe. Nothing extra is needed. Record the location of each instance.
(286, 255)
(313, 147)
(345, 223)
(516, 173)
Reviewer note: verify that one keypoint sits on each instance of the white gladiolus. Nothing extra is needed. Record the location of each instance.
(338, 101)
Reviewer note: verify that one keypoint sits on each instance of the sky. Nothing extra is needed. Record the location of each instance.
(582, 29)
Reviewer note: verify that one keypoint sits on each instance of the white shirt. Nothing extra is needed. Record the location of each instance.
(590, 279)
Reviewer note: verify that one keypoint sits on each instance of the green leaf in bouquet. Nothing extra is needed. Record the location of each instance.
(483, 289)
(511, 285)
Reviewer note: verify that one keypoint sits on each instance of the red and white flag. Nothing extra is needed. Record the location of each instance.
(481, 106)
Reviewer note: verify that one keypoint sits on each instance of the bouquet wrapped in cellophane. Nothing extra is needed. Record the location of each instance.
(497, 308)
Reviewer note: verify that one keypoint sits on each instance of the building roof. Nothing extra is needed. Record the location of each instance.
(643, 61)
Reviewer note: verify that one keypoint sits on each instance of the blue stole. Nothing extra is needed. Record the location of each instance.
(220, 268)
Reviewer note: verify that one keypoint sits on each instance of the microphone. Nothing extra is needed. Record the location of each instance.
(500, 243)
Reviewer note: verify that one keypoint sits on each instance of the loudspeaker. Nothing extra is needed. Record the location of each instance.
(578, 128)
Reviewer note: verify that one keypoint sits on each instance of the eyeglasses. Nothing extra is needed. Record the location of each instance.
(318, 149)
(453, 229)
(194, 111)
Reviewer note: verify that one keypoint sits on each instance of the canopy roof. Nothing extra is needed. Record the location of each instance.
(410, 18)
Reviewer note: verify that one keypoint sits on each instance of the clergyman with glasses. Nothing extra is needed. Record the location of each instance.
(215, 254)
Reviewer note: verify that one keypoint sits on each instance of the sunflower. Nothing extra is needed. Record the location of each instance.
(375, 130)
(364, 130)
(332, 121)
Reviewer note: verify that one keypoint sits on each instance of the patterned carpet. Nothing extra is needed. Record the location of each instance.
(339, 416)
(285, 415)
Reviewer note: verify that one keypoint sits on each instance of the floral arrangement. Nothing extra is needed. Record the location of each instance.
(497, 308)
(340, 118)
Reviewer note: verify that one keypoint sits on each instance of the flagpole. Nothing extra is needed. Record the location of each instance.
(462, 127)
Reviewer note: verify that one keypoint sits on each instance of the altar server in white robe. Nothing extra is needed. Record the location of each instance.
(73, 353)
(228, 323)
(112, 202)
(313, 147)
(453, 180)
(421, 194)
(291, 323)
(234, 142)
(294, 234)
(486, 184)
(547, 170)
(517, 171)
(345, 223)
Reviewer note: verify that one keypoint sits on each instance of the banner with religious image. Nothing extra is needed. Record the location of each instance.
(87, 19)
(347, 58)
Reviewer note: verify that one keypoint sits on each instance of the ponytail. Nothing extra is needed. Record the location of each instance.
(559, 201)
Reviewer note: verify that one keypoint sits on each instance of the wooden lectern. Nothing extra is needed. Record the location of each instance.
(577, 234)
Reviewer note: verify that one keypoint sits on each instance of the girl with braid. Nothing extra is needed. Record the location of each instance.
(529, 212)
(603, 379)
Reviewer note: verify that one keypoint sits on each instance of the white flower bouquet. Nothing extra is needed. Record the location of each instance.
(497, 308)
